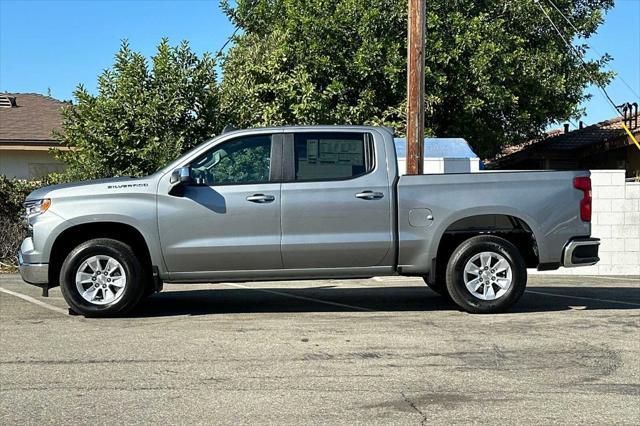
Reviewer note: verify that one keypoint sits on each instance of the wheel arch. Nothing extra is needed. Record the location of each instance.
(76, 234)
(513, 226)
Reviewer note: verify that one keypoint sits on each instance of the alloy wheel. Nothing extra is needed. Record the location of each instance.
(488, 275)
(101, 280)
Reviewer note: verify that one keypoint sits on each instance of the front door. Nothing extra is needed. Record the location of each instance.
(229, 218)
(336, 202)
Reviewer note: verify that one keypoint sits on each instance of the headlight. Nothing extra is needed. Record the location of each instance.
(36, 207)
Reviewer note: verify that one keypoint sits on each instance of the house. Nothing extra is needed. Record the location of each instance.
(604, 145)
(27, 122)
(441, 155)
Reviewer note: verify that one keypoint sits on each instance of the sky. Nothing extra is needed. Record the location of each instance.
(54, 45)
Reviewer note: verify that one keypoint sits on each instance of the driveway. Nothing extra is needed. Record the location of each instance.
(386, 350)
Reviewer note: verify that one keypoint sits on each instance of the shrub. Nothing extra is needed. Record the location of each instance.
(144, 114)
(12, 195)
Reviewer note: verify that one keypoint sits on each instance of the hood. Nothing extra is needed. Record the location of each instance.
(90, 187)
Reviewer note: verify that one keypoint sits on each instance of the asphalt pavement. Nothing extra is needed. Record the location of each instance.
(380, 351)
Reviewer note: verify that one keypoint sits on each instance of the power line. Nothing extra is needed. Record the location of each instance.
(592, 48)
(573, 124)
(219, 54)
(579, 55)
(235, 31)
(604, 91)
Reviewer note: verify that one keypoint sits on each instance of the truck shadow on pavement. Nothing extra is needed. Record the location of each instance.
(362, 299)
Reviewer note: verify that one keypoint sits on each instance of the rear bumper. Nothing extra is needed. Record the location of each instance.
(33, 273)
(581, 252)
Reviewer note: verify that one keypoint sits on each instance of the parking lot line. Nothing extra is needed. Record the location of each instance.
(615, 278)
(34, 301)
(309, 299)
(566, 296)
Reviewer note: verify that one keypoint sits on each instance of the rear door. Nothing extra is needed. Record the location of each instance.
(336, 201)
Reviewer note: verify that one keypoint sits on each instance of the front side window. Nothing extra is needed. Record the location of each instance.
(239, 161)
(331, 156)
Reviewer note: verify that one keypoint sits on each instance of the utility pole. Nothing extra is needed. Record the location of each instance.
(415, 87)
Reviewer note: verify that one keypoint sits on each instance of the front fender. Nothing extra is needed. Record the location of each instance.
(135, 210)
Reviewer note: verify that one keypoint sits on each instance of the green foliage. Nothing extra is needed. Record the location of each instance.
(496, 72)
(12, 195)
(143, 116)
(315, 62)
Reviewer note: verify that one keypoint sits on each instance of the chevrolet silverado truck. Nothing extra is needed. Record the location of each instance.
(316, 202)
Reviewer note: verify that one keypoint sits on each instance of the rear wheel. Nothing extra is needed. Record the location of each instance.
(486, 274)
(101, 278)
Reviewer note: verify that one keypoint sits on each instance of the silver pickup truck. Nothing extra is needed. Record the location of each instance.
(298, 203)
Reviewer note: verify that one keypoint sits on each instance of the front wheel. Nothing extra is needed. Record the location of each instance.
(101, 278)
(439, 286)
(486, 274)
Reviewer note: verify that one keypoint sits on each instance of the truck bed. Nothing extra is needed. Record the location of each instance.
(546, 201)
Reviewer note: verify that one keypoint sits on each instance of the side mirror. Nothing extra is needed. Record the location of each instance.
(181, 175)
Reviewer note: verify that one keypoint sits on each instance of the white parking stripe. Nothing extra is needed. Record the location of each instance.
(395, 278)
(583, 298)
(35, 301)
(309, 299)
(615, 278)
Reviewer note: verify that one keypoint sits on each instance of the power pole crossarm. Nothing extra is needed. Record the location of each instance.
(415, 87)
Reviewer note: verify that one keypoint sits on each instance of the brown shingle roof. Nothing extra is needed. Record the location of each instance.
(558, 140)
(33, 119)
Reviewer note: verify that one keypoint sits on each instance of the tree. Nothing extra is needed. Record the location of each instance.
(143, 116)
(496, 72)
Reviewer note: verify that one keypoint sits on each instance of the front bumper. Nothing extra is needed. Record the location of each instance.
(581, 252)
(33, 273)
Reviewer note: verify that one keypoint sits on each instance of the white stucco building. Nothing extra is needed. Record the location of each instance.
(27, 123)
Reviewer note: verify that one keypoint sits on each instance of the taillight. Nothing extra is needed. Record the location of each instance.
(584, 184)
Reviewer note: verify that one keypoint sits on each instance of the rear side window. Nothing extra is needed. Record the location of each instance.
(331, 156)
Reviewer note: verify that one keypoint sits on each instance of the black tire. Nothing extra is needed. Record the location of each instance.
(456, 275)
(136, 279)
(440, 287)
(149, 291)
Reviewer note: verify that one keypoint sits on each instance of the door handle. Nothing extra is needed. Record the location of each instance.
(261, 198)
(369, 195)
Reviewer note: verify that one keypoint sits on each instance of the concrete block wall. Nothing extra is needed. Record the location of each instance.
(616, 221)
